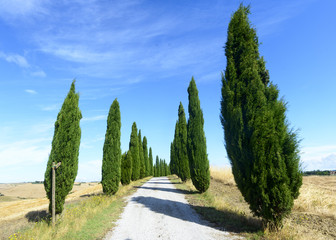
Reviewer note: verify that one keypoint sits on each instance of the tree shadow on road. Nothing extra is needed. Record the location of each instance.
(156, 182)
(173, 190)
(220, 220)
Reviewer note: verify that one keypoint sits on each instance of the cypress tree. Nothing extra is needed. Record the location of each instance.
(181, 144)
(146, 159)
(197, 150)
(175, 151)
(126, 168)
(172, 163)
(65, 149)
(112, 151)
(134, 150)
(141, 157)
(151, 162)
(263, 151)
(157, 166)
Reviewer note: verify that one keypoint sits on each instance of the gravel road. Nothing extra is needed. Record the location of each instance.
(159, 211)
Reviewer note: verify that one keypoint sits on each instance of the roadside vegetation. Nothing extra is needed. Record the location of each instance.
(313, 215)
(90, 218)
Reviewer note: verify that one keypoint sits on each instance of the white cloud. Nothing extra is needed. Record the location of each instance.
(95, 118)
(24, 153)
(52, 107)
(21, 8)
(30, 91)
(15, 58)
(39, 73)
(89, 171)
(319, 157)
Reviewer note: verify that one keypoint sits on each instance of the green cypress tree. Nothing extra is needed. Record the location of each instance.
(182, 153)
(126, 168)
(172, 163)
(141, 157)
(197, 150)
(112, 151)
(146, 159)
(134, 150)
(263, 151)
(157, 166)
(151, 162)
(65, 149)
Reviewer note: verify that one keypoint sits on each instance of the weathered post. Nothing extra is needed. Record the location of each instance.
(54, 167)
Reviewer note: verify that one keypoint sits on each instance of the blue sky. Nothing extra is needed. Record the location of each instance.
(144, 53)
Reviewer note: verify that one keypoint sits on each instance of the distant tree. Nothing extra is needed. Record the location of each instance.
(146, 158)
(112, 151)
(172, 163)
(181, 145)
(157, 166)
(134, 150)
(151, 162)
(263, 151)
(197, 150)
(141, 157)
(126, 168)
(64, 149)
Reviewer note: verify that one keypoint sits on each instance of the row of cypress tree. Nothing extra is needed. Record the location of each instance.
(161, 168)
(134, 164)
(188, 151)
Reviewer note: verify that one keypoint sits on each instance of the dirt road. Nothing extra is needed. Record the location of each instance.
(159, 211)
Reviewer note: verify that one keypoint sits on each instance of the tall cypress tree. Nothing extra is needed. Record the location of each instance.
(65, 149)
(126, 168)
(112, 151)
(146, 159)
(182, 153)
(134, 150)
(151, 162)
(197, 150)
(262, 149)
(175, 151)
(141, 157)
(172, 163)
(157, 166)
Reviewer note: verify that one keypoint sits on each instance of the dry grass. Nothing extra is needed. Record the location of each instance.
(313, 215)
(87, 219)
(18, 208)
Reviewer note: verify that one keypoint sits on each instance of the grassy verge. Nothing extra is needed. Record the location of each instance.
(224, 206)
(88, 219)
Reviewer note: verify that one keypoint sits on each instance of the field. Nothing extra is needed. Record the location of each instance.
(313, 215)
(20, 203)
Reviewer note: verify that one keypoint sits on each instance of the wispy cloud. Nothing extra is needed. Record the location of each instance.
(30, 91)
(15, 58)
(319, 157)
(39, 73)
(95, 118)
(21, 8)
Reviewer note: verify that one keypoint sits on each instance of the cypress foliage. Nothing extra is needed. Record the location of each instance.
(151, 162)
(197, 150)
(112, 151)
(126, 168)
(157, 167)
(263, 151)
(141, 157)
(175, 150)
(172, 163)
(146, 158)
(65, 149)
(134, 150)
(181, 145)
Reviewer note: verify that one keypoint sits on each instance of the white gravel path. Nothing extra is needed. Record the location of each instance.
(158, 211)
